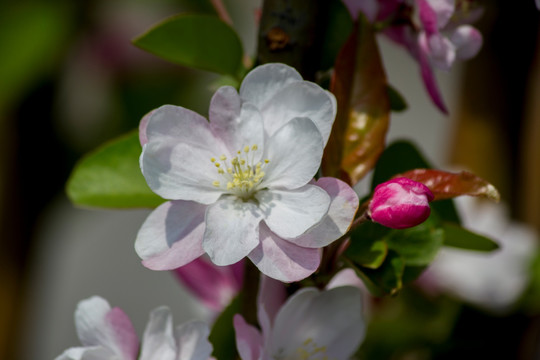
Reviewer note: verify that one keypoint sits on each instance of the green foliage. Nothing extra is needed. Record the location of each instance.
(387, 279)
(110, 177)
(198, 41)
(397, 101)
(222, 335)
(459, 237)
(368, 248)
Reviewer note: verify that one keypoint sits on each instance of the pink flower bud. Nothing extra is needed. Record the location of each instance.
(400, 203)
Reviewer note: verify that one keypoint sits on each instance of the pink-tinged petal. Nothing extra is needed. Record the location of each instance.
(301, 99)
(143, 139)
(172, 235)
(249, 341)
(328, 323)
(263, 82)
(214, 286)
(283, 260)
(232, 230)
(467, 41)
(237, 124)
(192, 340)
(290, 213)
(428, 17)
(99, 325)
(429, 78)
(346, 277)
(443, 9)
(400, 203)
(343, 207)
(270, 298)
(442, 52)
(176, 159)
(368, 7)
(295, 153)
(158, 342)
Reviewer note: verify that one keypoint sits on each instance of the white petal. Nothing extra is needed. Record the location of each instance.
(176, 159)
(249, 341)
(172, 235)
(343, 207)
(289, 213)
(283, 260)
(235, 123)
(443, 9)
(467, 41)
(263, 82)
(193, 344)
(295, 153)
(331, 319)
(86, 353)
(99, 325)
(301, 99)
(232, 230)
(158, 340)
(442, 52)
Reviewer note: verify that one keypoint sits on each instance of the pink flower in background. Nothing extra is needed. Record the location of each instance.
(239, 185)
(214, 285)
(107, 333)
(400, 203)
(311, 324)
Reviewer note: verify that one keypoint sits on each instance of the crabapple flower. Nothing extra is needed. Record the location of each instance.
(107, 334)
(311, 324)
(215, 286)
(400, 203)
(239, 184)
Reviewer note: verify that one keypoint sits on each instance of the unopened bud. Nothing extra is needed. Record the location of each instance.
(400, 203)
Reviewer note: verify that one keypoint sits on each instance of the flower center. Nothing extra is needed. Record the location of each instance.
(308, 351)
(241, 175)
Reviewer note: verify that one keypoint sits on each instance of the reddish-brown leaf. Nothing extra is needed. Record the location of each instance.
(359, 84)
(446, 185)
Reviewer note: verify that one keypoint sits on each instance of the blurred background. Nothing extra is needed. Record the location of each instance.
(70, 80)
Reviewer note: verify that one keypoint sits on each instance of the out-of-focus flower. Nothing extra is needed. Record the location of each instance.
(214, 285)
(311, 324)
(400, 203)
(493, 280)
(108, 334)
(239, 184)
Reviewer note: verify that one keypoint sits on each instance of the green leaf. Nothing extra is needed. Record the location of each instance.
(459, 237)
(385, 280)
(397, 102)
(222, 336)
(418, 245)
(367, 247)
(338, 29)
(110, 177)
(198, 41)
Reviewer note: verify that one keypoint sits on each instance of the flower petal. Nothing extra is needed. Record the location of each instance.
(440, 50)
(429, 78)
(99, 325)
(249, 341)
(232, 230)
(368, 7)
(263, 82)
(302, 99)
(343, 207)
(467, 41)
(192, 339)
(283, 260)
(172, 235)
(214, 286)
(289, 213)
(143, 139)
(237, 124)
(176, 160)
(158, 341)
(295, 153)
(443, 9)
(86, 353)
(270, 297)
(330, 321)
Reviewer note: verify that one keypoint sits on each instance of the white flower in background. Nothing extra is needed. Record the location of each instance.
(239, 184)
(310, 325)
(493, 280)
(107, 334)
